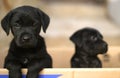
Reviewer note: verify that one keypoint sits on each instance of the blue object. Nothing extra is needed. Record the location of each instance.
(40, 76)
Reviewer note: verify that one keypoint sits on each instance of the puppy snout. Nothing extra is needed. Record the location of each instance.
(105, 48)
(26, 38)
(105, 45)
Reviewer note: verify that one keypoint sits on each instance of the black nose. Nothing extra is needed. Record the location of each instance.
(26, 38)
(105, 45)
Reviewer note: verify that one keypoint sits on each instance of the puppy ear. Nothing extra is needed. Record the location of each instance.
(77, 39)
(45, 20)
(5, 23)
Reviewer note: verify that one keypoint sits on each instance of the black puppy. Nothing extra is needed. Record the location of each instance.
(27, 49)
(88, 44)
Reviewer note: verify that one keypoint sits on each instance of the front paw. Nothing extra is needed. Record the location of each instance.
(15, 74)
(32, 75)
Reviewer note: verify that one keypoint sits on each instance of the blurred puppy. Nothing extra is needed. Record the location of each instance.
(27, 49)
(88, 44)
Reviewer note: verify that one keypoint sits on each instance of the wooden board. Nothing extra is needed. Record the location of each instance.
(72, 73)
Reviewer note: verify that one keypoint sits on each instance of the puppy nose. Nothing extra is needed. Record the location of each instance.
(105, 45)
(26, 38)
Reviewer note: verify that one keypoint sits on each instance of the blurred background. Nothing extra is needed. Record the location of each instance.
(67, 16)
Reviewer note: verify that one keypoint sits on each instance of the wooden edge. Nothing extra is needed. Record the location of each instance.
(53, 70)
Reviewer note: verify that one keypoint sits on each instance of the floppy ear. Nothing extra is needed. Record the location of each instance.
(77, 39)
(45, 20)
(5, 23)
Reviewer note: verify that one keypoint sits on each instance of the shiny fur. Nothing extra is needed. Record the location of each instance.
(27, 49)
(88, 44)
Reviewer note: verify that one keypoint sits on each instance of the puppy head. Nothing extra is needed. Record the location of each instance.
(90, 40)
(25, 23)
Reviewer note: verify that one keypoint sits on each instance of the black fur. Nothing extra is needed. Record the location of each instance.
(88, 44)
(27, 49)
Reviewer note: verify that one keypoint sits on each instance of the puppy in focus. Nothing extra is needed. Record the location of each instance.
(88, 44)
(27, 49)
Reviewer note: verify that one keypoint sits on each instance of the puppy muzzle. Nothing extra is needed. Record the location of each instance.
(26, 40)
(104, 48)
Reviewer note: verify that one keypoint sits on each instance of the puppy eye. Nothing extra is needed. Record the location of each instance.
(93, 38)
(34, 24)
(16, 25)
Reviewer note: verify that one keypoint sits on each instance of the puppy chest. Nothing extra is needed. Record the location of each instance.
(25, 60)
